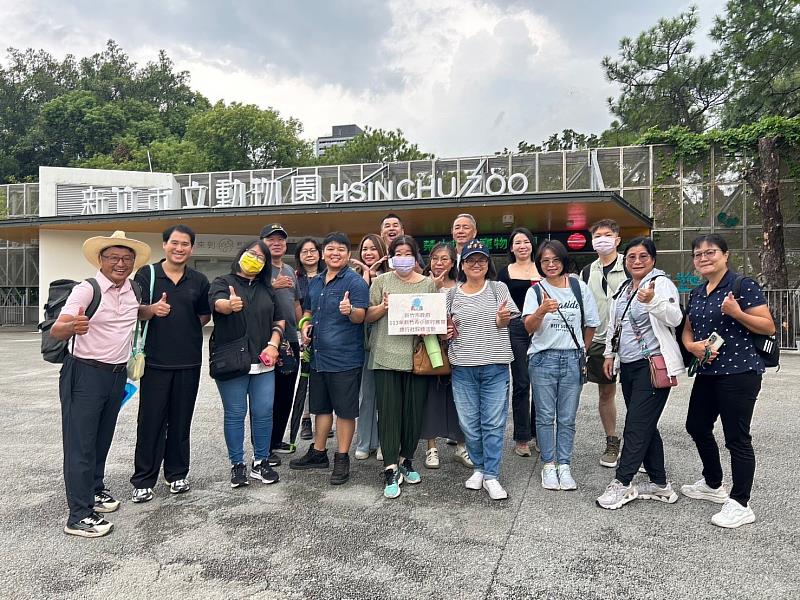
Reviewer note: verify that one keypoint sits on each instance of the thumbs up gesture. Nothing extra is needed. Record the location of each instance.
(549, 305)
(646, 294)
(161, 308)
(730, 306)
(344, 306)
(503, 314)
(236, 301)
(80, 324)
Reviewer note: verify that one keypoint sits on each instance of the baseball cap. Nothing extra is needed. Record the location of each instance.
(474, 246)
(271, 229)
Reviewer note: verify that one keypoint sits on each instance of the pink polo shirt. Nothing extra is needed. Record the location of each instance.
(111, 328)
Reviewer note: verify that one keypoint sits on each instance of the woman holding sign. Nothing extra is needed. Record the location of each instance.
(479, 311)
(561, 314)
(400, 394)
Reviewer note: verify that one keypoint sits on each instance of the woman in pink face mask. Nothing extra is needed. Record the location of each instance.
(400, 394)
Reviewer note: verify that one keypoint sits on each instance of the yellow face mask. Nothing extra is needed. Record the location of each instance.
(250, 265)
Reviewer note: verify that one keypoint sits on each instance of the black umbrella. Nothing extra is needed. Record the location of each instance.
(300, 397)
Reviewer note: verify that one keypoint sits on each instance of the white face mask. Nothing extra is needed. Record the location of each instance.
(604, 245)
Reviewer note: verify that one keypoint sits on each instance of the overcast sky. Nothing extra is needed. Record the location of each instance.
(459, 77)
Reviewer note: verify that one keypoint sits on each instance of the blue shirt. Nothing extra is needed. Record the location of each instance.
(737, 354)
(338, 343)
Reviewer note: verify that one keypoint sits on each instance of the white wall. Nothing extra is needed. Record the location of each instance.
(61, 256)
(50, 177)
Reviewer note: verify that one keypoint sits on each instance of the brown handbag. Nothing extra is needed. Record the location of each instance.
(422, 362)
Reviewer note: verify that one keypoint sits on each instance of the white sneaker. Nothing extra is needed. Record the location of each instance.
(461, 455)
(475, 482)
(432, 458)
(495, 490)
(617, 495)
(700, 490)
(142, 495)
(379, 455)
(361, 455)
(652, 491)
(733, 515)
(181, 486)
(550, 477)
(565, 479)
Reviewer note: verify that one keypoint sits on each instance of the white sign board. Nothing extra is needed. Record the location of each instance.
(417, 314)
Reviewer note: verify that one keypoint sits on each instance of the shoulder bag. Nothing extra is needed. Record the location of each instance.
(136, 362)
(231, 359)
(659, 378)
(422, 362)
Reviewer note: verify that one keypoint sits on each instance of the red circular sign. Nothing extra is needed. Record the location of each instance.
(577, 241)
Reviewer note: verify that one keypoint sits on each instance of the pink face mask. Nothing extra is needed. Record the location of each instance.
(604, 245)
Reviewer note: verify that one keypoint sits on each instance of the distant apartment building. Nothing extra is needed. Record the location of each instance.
(340, 134)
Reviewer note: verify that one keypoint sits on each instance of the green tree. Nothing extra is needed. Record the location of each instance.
(662, 83)
(244, 136)
(374, 146)
(760, 49)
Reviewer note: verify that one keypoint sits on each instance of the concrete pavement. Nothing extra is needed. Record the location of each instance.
(303, 538)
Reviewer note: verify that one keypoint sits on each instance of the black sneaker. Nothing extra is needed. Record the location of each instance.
(261, 470)
(239, 475)
(91, 527)
(341, 468)
(284, 448)
(313, 459)
(274, 460)
(306, 433)
(104, 502)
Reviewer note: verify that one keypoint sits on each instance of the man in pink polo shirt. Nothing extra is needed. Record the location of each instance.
(93, 376)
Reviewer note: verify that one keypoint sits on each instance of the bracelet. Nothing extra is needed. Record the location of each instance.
(273, 344)
(278, 330)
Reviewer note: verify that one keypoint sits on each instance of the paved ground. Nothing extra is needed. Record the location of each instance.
(302, 538)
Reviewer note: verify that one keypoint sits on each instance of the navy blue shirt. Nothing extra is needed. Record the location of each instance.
(338, 343)
(737, 354)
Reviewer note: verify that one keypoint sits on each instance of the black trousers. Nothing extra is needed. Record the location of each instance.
(401, 399)
(523, 409)
(90, 402)
(166, 406)
(643, 443)
(732, 398)
(284, 398)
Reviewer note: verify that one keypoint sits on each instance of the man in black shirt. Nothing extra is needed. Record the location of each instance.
(174, 354)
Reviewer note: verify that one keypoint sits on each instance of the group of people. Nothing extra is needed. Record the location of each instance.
(530, 336)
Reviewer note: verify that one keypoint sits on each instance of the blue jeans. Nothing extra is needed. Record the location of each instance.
(367, 411)
(481, 398)
(234, 392)
(557, 388)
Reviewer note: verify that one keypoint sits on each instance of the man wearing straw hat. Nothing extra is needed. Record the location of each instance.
(93, 376)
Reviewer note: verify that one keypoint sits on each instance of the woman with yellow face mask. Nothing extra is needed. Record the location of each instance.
(245, 309)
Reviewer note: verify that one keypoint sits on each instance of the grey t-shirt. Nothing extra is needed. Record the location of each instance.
(286, 298)
(630, 349)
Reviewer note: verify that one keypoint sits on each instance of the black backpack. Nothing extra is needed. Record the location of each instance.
(767, 346)
(54, 350)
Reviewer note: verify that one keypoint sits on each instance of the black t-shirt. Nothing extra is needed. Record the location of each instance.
(254, 320)
(175, 341)
(518, 287)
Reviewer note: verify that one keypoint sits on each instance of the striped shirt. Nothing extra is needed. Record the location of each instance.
(479, 341)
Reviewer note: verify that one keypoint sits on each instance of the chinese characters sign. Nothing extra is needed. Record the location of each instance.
(417, 314)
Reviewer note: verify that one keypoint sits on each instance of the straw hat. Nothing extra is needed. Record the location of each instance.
(95, 245)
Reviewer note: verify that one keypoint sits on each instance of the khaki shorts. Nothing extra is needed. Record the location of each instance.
(594, 364)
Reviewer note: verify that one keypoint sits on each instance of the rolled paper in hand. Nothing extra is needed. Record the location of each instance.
(434, 351)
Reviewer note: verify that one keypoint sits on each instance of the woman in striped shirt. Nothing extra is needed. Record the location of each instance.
(479, 311)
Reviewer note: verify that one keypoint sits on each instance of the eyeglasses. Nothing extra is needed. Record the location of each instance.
(114, 259)
(476, 260)
(705, 254)
(550, 261)
(258, 257)
(642, 258)
(309, 251)
(440, 259)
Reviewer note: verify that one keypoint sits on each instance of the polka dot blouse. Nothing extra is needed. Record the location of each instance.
(737, 354)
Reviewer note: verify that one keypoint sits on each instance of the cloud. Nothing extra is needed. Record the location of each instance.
(459, 77)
